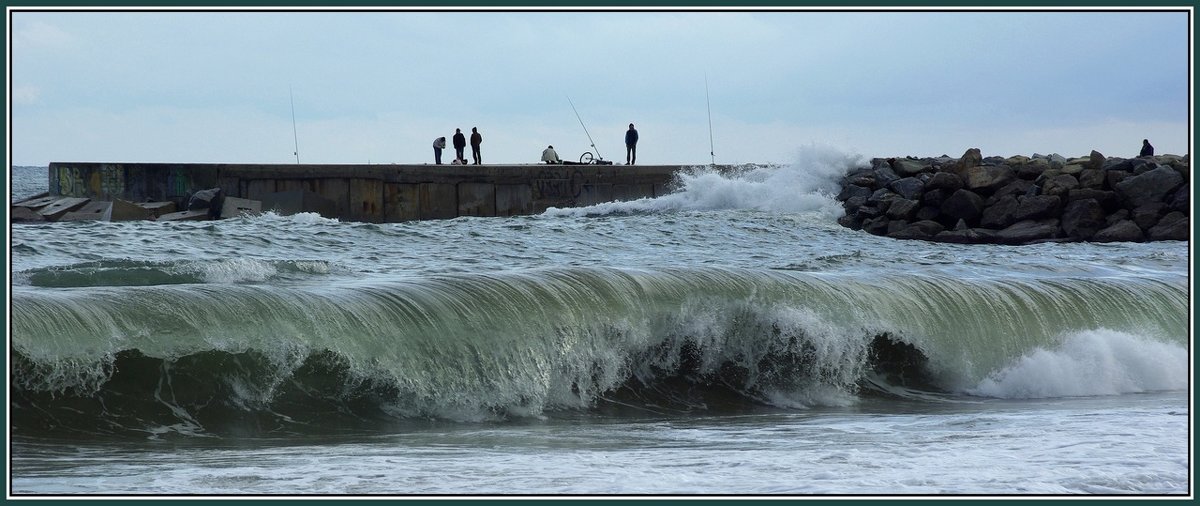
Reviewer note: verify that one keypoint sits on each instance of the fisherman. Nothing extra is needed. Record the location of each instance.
(631, 138)
(1147, 149)
(438, 145)
(550, 156)
(476, 140)
(460, 143)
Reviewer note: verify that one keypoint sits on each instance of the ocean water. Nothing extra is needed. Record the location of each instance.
(729, 338)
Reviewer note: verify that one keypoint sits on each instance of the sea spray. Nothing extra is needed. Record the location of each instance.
(808, 184)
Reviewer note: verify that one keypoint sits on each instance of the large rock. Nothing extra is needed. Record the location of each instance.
(902, 209)
(1024, 232)
(1016, 188)
(963, 204)
(910, 187)
(1151, 186)
(852, 190)
(1172, 227)
(987, 179)
(944, 181)
(1034, 207)
(971, 158)
(1095, 161)
(1121, 231)
(1112, 177)
(1060, 185)
(884, 175)
(209, 200)
(907, 167)
(1001, 214)
(1034, 168)
(1179, 201)
(1082, 219)
(1091, 178)
(1147, 215)
(1108, 200)
(966, 236)
(923, 230)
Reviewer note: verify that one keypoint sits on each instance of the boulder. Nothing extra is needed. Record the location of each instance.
(1147, 215)
(944, 181)
(852, 204)
(935, 197)
(209, 200)
(850, 221)
(971, 158)
(1024, 232)
(902, 209)
(876, 226)
(25, 215)
(927, 213)
(1073, 169)
(1112, 177)
(1095, 161)
(1060, 185)
(1033, 207)
(909, 187)
(1121, 231)
(963, 204)
(1151, 186)
(1001, 214)
(895, 226)
(1091, 178)
(1179, 201)
(1172, 227)
(1015, 188)
(966, 236)
(1082, 219)
(907, 167)
(884, 175)
(923, 230)
(1034, 168)
(1118, 215)
(853, 190)
(1108, 200)
(987, 179)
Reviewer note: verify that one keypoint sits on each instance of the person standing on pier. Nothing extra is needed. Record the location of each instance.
(1147, 149)
(460, 143)
(438, 145)
(476, 140)
(631, 138)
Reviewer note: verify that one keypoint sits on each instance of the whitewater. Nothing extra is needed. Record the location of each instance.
(727, 338)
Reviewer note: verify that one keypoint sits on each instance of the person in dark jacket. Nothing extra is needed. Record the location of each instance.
(460, 143)
(1147, 149)
(631, 138)
(476, 140)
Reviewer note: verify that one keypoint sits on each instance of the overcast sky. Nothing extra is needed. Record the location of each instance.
(378, 87)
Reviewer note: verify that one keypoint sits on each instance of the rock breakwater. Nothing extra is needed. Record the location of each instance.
(1021, 199)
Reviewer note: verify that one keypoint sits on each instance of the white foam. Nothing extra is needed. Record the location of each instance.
(809, 184)
(1091, 363)
(236, 270)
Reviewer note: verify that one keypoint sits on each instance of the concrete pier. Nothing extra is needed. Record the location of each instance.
(369, 193)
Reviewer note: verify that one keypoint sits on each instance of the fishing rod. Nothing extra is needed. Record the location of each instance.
(295, 138)
(585, 130)
(707, 102)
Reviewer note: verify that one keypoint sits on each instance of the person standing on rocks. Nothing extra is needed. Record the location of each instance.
(1147, 149)
(476, 140)
(631, 138)
(460, 143)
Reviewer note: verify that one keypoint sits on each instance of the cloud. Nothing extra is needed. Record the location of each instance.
(39, 35)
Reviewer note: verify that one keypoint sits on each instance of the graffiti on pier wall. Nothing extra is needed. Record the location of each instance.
(550, 184)
(69, 182)
(177, 183)
(112, 181)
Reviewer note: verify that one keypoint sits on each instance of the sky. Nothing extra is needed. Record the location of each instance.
(378, 87)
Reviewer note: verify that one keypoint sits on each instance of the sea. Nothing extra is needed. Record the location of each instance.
(728, 339)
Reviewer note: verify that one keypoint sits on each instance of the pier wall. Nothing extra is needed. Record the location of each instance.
(369, 193)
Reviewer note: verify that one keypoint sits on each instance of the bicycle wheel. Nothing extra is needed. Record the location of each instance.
(586, 157)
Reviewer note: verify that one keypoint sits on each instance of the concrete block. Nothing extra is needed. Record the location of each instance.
(366, 200)
(61, 207)
(437, 201)
(157, 209)
(96, 210)
(233, 206)
(400, 202)
(127, 211)
(38, 202)
(298, 201)
(476, 199)
(514, 200)
(197, 215)
(25, 215)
